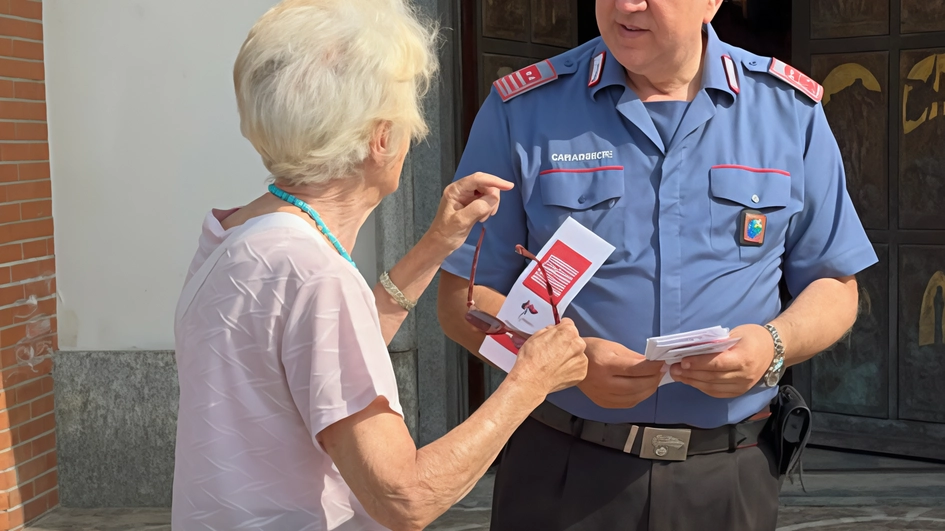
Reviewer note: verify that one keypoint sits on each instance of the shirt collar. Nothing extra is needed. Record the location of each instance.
(613, 72)
(713, 69)
(713, 74)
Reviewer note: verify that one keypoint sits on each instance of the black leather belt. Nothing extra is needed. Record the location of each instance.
(655, 442)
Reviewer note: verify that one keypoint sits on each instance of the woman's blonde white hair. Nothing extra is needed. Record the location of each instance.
(316, 79)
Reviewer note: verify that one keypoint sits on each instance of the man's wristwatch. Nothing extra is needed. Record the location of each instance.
(776, 370)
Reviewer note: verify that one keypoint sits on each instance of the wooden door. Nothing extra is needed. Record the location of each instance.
(882, 65)
(498, 38)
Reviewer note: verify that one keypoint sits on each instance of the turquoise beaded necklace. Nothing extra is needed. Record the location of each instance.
(289, 198)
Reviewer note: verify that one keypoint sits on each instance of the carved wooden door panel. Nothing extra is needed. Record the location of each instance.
(500, 37)
(882, 64)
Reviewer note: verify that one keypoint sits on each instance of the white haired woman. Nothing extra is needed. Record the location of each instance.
(289, 415)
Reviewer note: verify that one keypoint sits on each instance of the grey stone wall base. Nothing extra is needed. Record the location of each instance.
(116, 422)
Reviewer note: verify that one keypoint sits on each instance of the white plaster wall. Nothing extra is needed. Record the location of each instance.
(144, 140)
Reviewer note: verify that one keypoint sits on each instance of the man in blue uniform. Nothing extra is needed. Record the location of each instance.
(715, 175)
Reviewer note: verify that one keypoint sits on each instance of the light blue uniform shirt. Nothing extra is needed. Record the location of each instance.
(671, 211)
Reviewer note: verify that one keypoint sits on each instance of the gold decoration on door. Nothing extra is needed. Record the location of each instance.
(923, 71)
(844, 76)
(927, 318)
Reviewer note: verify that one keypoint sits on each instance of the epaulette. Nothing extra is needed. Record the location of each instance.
(528, 78)
(796, 79)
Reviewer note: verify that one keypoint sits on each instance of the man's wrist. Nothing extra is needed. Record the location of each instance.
(772, 350)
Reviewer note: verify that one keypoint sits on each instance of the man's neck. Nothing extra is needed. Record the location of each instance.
(680, 81)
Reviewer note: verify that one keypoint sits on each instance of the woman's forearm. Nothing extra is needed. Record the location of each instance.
(404, 488)
(465, 202)
(412, 274)
(449, 468)
(446, 470)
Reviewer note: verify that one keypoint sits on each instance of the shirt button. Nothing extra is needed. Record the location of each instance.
(755, 198)
(612, 203)
(568, 62)
(582, 199)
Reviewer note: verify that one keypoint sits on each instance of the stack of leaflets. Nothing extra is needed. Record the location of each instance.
(674, 347)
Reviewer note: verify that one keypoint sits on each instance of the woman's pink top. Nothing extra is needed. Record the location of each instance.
(281, 341)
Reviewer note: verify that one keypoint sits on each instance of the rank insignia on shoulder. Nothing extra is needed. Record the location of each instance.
(796, 79)
(751, 228)
(526, 79)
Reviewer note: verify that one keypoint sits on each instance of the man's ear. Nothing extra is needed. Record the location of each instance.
(712, 7)
(381, 143)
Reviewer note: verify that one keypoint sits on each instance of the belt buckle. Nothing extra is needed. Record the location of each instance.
(665, 444)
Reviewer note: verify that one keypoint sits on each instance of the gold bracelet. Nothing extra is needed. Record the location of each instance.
(394, 292)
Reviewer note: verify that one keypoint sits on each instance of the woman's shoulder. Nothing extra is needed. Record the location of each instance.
(286, 243)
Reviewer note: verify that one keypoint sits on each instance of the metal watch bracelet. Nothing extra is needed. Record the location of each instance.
(395, 292)
(773, 375)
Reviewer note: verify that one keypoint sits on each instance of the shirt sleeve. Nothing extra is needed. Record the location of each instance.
(826, 239)
(335, 359)
(491, 150)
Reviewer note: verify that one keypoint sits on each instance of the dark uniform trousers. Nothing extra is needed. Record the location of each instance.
(551, 481)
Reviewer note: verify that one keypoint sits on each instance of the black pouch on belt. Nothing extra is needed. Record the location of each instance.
(791, 427)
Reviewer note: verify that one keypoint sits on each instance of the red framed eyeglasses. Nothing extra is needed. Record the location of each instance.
(490, 324)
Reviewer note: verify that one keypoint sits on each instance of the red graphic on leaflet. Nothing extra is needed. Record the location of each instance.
(564, 267)
(528, 307)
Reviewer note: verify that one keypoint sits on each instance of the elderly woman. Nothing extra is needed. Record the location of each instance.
(289, 415)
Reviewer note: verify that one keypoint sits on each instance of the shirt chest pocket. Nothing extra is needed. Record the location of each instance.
(734, 189)
(592, 198)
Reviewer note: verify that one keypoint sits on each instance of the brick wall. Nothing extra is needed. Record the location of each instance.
(28, 473)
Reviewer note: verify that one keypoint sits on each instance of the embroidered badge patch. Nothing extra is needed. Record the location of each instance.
(526, 79)
(751, 228)
(796, 79)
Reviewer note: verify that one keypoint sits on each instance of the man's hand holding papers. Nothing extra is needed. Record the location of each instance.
(618, 377)
(731, 372)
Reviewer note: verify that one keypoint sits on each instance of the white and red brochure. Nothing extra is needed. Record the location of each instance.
(570, 257)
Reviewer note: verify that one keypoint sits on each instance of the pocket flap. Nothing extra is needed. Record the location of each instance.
(752, 187)
(580, 190)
